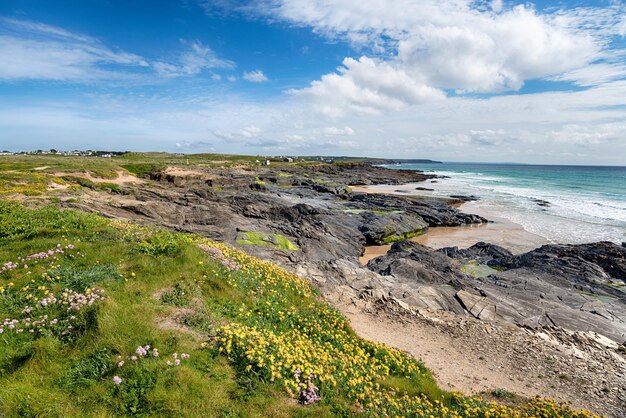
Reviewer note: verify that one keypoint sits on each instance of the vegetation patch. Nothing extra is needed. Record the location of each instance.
(273, 240)
(143, 169)
(392, 236)
(477, 270)
(24, 183)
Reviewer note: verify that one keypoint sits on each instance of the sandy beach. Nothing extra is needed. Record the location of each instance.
(499, 231)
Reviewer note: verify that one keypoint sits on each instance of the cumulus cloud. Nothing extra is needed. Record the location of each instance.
(421, 50)
(496, 5)
(366, 86)
(255, 76)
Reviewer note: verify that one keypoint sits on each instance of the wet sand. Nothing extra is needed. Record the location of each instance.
(500, 231)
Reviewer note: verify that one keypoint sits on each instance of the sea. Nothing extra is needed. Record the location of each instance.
(561, 203)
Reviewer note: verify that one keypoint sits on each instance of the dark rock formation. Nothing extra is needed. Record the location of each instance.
(575, 287)
(481, 252)
(435, 212)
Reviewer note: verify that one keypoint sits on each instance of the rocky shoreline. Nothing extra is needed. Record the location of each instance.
(307, 218)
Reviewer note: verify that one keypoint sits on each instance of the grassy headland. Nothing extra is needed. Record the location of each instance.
(106, 318)
(84, 297)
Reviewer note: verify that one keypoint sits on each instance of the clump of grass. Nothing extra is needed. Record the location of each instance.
(87, 370)
(180, 295)
(162, 243)
(502, 393)
(199, 321)
(71, 277)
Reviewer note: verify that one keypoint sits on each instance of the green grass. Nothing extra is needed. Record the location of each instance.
(49, 376)
(273, 240)
(245, 323)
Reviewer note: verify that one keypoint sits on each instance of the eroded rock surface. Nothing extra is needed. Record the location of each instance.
(575, 287)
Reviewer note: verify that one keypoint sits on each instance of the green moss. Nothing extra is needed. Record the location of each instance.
(393, 237)
(273, 240)
(260, 182)
(477, 270)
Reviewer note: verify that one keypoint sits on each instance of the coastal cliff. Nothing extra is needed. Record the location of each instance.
(558, 311)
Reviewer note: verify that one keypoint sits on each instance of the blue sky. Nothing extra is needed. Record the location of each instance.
(540, 82)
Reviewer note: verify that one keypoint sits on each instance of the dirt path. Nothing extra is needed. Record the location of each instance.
(471, 357)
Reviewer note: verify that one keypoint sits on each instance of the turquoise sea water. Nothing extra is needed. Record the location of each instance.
(586, 203)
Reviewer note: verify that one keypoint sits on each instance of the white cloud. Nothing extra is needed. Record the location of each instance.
(239, 135)
(557, 127)
(256, 76)
(196, 59)
(421, 49)
(334, 131)
(594, 74)
(36, 51)
(31, 50)
(496, 5)
(366, 86)
(584, 135)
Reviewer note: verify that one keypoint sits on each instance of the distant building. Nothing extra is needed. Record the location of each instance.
(288, 160)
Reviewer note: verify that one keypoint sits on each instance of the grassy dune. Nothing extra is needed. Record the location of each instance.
(104, 318)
